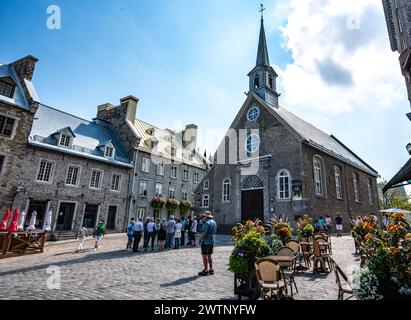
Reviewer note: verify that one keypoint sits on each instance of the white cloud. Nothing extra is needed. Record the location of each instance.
(342, 59)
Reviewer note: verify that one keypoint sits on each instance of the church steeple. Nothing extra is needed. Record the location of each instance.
(263, 77)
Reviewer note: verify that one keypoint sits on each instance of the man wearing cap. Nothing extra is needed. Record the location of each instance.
(207, 240)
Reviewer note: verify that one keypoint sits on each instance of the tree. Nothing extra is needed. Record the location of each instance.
(393, 198)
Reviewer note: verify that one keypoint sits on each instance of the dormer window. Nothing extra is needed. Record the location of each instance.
(109, 152)
(7, 87)
(65, 140)
(173, 151)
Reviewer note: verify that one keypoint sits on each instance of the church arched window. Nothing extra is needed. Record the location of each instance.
(226, 190)
(284, 185)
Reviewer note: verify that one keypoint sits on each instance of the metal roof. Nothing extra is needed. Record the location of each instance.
(89, 136)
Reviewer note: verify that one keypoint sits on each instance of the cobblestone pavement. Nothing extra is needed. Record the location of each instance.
(112, 272)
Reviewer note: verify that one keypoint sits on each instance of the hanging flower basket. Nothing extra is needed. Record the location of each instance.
(158, 203)
(185, 206)
(172, 204)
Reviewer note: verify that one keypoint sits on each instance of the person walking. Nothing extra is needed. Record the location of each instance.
(192, 232)
(328, 223)
(100, 231)
(339, 225)
(177, 234)
(183, 231)
(138, 230)
(207, 240)
(130, 234)
(151, 231)
(170, 232)
(162, 234)
(82, 234)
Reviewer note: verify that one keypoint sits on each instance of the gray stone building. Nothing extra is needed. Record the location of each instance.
(18, 104)
(76, 168)
(168, 164)
(271, 161)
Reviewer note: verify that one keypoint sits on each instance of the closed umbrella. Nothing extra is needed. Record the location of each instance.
(22, 219)
(47, 221)
(14, 221)
(32, 225)
(5, 221)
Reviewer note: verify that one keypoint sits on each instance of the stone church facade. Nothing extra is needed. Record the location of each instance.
(273, 162)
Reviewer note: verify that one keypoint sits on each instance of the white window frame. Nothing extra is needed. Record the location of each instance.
(356, 190)
(253, 113)
(173, 169)
(100, 179)
(186, 174)
(205, 197)
(65, 140)
(184, 194)
(206, 184)
(51, 173)
(119, 182)
(338, 184)
(318, 177)
(160, 169)
(141, 212)
(283, 179)
(78, 175)
(157, 194)
(226, 196)
(253, 144)
(196, 177)
(107, 153)
(140, 194)
(172, 189)
(145, 165)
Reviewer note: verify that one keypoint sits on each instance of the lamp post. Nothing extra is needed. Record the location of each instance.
(409, 148)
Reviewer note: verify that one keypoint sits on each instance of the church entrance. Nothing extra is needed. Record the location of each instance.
(252, 205)
(252, 199)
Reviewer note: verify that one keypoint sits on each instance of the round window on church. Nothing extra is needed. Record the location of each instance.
(252, 143)
(253, 113)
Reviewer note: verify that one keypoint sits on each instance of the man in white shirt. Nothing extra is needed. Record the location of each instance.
(151, 234)
(137, 233)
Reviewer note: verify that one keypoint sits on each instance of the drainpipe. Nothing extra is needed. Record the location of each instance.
(131, 188)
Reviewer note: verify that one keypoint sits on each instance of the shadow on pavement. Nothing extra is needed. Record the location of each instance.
(180, 282)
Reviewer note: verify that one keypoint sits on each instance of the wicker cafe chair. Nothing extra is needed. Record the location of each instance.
(307, 253)
(289, 268)
(327, 236)
(320, 255)
(343, 288)
(270, 277)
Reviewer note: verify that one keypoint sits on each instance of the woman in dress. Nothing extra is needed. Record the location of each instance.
(162, 234)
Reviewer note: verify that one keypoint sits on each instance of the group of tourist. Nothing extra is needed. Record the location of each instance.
(322, 224)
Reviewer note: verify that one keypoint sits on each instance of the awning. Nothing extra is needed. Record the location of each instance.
(404, 175)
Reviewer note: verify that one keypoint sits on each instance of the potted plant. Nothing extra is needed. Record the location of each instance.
(249, 246)
(305, 228)
(158, 203)
(185, 206)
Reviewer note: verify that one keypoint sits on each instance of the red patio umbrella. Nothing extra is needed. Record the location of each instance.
(14, 221)
(5, 221)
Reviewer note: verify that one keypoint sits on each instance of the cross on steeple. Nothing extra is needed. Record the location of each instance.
(262, 11)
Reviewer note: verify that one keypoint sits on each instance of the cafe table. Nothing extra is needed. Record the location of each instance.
(284, 261)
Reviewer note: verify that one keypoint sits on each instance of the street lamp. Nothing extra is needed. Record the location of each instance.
(409, 148)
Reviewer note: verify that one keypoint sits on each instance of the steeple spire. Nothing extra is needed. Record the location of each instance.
(262, 54)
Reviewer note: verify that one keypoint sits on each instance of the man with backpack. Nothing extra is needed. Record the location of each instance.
(99, 232)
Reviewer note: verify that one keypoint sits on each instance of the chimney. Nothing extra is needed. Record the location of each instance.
(24, 67)
(190, 137)
(130, 103)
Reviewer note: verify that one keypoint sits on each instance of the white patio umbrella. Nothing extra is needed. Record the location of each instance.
(22, 219)
(47, 221)
(32, 225)
(395, 210)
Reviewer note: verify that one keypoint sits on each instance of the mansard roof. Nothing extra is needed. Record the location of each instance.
(87, 136)
(310, 135)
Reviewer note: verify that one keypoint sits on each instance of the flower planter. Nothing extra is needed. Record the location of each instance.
(246, 286)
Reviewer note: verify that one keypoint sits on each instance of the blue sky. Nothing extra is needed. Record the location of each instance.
(187, 62)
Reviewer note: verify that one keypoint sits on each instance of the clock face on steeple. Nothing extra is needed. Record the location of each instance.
(253, 113)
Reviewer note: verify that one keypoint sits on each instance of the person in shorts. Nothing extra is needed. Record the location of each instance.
(339, 225)
(207, 240)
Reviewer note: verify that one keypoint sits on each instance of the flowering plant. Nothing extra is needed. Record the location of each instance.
(185, 206)
(365, 285)
(305, 227)
(172, 204)
(275, 244)
(158, 203)
(242, 229)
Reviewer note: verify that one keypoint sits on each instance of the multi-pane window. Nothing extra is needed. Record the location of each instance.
(318, 178)
(96, 179)
(252, 143)
(284, 185)
(356, 191)
(184, 194)
(1, 163)
(205, 201)
(173, 172)
(140, 213)
(65, 140)
(159, 190)
(145, 165)
(226, 190)
(6, 126)
(160, 169)
(115, 182)
(72, 176)
(6, 89)
(338, 185)
(185, 174)
(196, 177)
(45, 171)
(143, 189)
(206, 184)
(370, 192)
(109, 152)
(172, 193)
